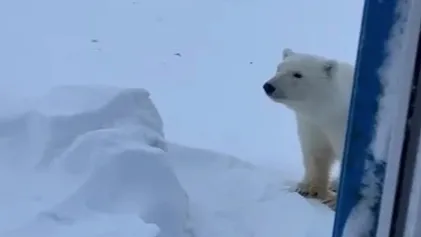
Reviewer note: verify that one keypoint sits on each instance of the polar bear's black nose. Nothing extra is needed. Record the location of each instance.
(269, 89)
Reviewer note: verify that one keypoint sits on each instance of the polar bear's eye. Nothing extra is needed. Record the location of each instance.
(297, 75)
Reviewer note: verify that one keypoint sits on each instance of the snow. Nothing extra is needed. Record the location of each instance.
(116, 151)
(105, 168)
(147, 118)
(393, 102)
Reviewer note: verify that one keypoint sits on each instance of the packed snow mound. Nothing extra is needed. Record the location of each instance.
(103, 168)
(47, 129)
(133, 181)
(134, 187)
(116, 146)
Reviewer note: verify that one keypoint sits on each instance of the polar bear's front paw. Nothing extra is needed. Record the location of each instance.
(326, 196)
(309, 190)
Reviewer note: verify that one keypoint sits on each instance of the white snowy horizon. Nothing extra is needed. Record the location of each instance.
(203, 64)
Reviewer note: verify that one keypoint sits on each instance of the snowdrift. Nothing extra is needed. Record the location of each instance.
(116, 142)
(92, 161)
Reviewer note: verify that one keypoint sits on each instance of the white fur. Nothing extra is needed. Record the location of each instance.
(320, 99)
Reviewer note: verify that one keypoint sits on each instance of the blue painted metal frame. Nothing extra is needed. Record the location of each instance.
(378, 19)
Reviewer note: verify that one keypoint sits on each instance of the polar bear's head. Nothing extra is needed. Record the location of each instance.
(302, 80)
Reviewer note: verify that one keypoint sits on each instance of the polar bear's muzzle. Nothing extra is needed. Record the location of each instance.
(269, 88)
(273, 92)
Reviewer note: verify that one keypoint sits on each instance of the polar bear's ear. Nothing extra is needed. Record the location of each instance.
(330, 67)
(287, 52)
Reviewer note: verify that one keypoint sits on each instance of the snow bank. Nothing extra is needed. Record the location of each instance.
(113, 141)
(45, 131)
(105, 169)
(133, 181)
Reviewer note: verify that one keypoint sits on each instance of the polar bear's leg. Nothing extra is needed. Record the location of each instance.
(318, 158)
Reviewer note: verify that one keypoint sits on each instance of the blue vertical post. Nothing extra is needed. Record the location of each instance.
(378, 20)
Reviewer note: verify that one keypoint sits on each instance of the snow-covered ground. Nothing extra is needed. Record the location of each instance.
(179, 140)
(104, 168)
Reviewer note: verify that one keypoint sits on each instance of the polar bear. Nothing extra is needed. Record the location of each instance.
(318, 90)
